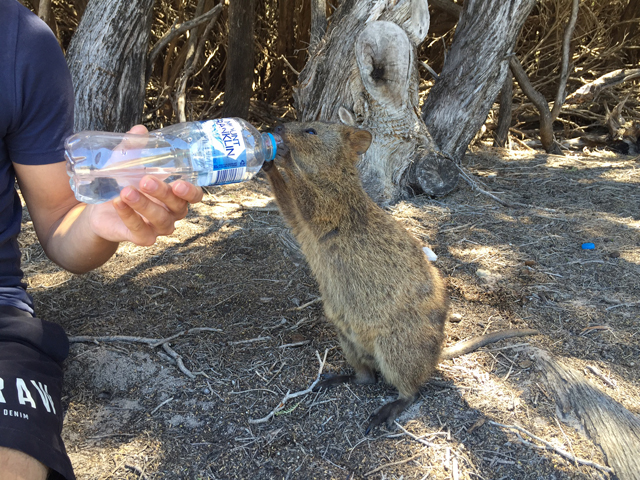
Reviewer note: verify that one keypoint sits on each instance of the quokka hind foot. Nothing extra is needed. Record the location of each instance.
(386, 414)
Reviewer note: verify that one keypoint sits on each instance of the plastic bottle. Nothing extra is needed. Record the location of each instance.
(211, 152)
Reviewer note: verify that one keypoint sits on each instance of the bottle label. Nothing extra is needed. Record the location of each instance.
(227, 152)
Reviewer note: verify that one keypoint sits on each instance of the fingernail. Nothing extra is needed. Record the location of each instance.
(150, 185)
(181, 188)
(131, 194)
(119, 204)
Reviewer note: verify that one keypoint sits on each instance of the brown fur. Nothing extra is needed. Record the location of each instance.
(385, 299)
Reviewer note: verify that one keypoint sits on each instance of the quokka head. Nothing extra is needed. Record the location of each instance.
(318, 148)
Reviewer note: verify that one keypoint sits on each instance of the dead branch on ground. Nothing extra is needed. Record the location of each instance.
(550, 446)
(152, 342)
(290, 395)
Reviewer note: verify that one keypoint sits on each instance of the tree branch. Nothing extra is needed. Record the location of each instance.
(590, 90)
(546, 122)
(550, 446)
(175, 31)
(194, 52)
(564, 68)
(290, 395)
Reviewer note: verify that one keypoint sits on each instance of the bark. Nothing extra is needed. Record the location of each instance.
(239, 73)
(366, 65)
(318, 22)
(474, 72)
(106, 58)
(504, 117)
(607, 423)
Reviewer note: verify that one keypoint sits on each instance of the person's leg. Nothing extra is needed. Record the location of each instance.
(31, 416)
(15, 465)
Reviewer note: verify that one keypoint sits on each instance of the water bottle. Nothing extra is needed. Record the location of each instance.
(211, 152)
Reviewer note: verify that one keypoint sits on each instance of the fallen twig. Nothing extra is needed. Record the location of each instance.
(392, 464)
(474, 185)
(160, 406)
(416, 438)
(593, 369)
(178, 358)
(302, 307)
(153, 343)
(296, 344)
(138, 470)
(251, 340)
(549, 446)
(289, 395)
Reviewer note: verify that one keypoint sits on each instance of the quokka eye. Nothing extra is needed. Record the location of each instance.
(310, 131)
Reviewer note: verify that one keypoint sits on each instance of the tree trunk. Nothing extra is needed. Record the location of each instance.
(504, 117)
(607, 423)
(45, 13)
(318, 22)
(106, 58)
(284, 43)
(474, 72)
(367, 64)
(239, 75)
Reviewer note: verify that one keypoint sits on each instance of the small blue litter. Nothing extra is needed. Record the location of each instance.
(588, 246)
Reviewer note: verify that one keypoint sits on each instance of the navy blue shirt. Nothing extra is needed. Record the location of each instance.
(36, 115)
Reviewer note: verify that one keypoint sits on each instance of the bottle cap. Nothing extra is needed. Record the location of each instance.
(274, 147)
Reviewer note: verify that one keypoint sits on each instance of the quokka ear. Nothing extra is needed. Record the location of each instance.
(359, 140)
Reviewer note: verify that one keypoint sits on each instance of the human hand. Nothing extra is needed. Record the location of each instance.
(141, 215)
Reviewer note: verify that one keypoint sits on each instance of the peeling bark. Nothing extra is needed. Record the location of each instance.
(318, 22)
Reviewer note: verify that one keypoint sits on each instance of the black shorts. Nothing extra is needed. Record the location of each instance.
(31, 356)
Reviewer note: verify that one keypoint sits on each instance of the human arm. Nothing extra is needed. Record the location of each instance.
(81, 237)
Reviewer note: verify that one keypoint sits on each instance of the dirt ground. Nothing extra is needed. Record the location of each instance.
(232, 269)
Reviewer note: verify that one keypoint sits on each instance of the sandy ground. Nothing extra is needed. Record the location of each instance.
(233, 271)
